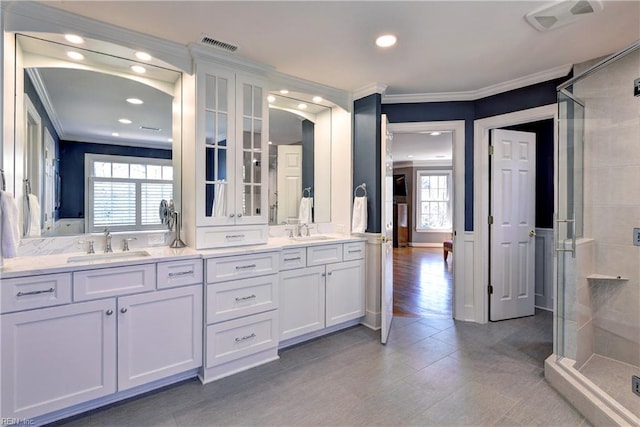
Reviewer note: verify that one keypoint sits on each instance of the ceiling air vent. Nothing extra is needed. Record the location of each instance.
(559, 14)
(218, 44)
(150, 128)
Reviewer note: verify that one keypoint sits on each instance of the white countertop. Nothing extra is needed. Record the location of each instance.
(59, 263)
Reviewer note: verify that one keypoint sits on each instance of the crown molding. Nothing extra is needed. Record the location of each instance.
(473, 95)
(339, 97)
(29, 16)
(41, 90)
(444, 163)
(370, 89)
(209, 54)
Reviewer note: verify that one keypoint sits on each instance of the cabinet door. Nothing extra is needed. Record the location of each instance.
(159, 334)
(345, 292)
(57, 357)
(216, 159)
(302, 301)
(252, 135)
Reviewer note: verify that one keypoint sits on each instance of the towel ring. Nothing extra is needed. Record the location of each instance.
(306, 192)
(362, 187)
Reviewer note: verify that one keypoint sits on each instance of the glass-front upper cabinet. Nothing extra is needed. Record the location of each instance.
(232, 149)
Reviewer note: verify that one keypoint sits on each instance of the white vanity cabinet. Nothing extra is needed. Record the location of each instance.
(326, 293)
(112, 329)
(57, 357)
(241, 330)
(228, 189)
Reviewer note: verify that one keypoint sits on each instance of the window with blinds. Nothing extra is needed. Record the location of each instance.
(434, 198)
(124, 193)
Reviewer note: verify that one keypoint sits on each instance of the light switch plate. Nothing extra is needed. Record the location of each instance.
(636, 237)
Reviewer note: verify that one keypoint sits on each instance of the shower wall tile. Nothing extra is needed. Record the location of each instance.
(584, 345)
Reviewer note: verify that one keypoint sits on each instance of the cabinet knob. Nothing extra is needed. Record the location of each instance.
(109, 312)
(231, 215)
(239, 215)
(123, 310)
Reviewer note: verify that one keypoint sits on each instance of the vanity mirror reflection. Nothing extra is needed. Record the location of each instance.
(299, 161)
(96, 135)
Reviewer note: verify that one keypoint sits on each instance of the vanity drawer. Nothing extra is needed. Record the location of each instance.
(24, 293)
(241, 266)
(116, 281)
(324, 254)
(237, 235)
(230, 300)
(235, 339)
(180, 273)
(293, 258)
(353, 250)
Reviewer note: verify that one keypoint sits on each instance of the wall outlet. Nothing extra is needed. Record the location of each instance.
(636, 237)
(635, 384)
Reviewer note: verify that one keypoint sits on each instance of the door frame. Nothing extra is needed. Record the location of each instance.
(460, 310)
(481, 130)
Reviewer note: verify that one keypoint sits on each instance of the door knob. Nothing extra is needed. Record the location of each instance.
(532, 233)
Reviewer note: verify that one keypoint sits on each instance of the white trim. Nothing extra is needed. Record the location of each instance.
(429, 163)
(472, 95)
(481, 192)
(425, 245)
(370, 89)
(460, 312)
(41, 90)
(341, 98)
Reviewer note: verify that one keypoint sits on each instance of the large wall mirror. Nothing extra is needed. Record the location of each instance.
(95, 137)
(299, 161)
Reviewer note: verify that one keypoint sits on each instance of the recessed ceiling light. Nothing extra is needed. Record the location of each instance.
(317, 99)
(125, 121)
(115, 134)
(270, 143)
(435, 133)
(302, 106)
(75, 55)
(170, 139)
(271, 98)
(73, 38)
(284, 91)
(138, 69)
(409, 155)
(440, 157)
(135, 101)
(143, 56)
(386, 40)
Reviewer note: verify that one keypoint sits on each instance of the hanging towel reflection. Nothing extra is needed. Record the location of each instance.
(9, 229)
(220, 200)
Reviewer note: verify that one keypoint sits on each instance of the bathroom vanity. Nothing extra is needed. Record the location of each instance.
(82, 331)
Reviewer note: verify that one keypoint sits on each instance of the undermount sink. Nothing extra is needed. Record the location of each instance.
(311, 238)
(108, 256)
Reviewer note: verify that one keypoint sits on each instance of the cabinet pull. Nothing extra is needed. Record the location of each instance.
(252, 296)
(235, 236)
(330, 273)
(245, 267)
(48, 291)
(355, 251)
(123, 310)
(109, 312)
(244, 338)
(292, 259)
(181, 273)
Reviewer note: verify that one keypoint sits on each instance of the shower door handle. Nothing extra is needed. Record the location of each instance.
(571, 222)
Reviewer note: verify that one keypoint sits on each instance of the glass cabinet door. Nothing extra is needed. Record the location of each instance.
(252, 142)
(218, 155)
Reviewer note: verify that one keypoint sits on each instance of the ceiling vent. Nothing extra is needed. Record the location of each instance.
(150, 128)
(209, 41)
(559, 14)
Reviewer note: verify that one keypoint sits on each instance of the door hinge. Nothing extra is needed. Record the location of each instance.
(490, 288)
(491, 150)
(490, 219)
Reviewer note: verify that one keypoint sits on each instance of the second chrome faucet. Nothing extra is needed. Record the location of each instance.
(107, 241)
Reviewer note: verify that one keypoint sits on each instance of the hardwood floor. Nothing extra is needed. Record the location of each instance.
(422, 282)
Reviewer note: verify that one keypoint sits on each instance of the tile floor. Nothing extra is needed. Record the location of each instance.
(433, 371)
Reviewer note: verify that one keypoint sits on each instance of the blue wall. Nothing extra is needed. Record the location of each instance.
(72, 170)
(516, 100)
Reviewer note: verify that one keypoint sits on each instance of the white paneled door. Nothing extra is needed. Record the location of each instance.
(387, 231)
(512, 233)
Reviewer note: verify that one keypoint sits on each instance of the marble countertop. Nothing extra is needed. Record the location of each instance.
(67, 262)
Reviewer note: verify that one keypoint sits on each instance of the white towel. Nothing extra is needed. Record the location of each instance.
(359, 220)
(9, 231)
(304, 214)
(34, 216)
(220, 200)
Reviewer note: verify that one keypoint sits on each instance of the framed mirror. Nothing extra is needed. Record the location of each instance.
(95, 137)
(299, 161)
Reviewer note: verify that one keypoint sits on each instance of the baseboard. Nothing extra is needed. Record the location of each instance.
(425, 245)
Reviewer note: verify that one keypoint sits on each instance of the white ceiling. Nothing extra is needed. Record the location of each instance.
(423, 148)
(443, 46)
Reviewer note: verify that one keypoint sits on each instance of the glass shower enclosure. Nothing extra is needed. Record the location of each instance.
(597, 316)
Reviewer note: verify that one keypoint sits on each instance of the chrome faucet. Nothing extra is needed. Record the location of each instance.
(107, 241)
